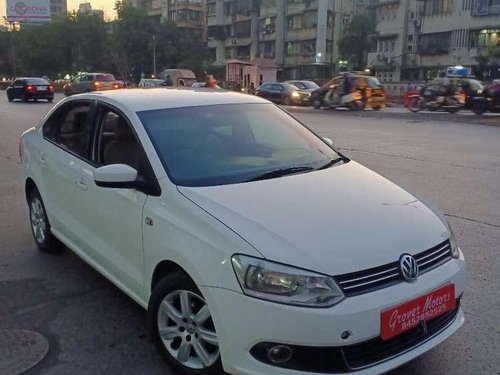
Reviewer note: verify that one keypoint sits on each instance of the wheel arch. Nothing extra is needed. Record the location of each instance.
(29, 186)
(166, 267)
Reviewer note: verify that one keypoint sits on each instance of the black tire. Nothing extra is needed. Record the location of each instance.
(376, 108)
(25, 99)
(50, 100)
(178, 282)
(479, 108)
(46, 243)
(9, 98)
(317, 103)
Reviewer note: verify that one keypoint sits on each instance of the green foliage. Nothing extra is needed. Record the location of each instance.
(80, 42)
(354, 43)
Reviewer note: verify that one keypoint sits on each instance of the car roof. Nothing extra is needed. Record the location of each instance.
(163, 98)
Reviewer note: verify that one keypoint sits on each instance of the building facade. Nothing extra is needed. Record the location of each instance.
(298, 35)
(417, 39)
(58, 6)
(86, 8)
(188, 15)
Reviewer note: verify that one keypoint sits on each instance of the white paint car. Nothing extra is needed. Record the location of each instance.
(255, 246)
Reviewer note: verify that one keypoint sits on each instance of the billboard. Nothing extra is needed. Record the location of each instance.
(28, 10)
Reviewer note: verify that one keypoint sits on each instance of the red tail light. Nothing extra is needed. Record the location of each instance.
(31, 89)
(52, 88)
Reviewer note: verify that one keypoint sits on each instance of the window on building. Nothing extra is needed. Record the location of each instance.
(329, 46)
(309, 19)
(211, 9)
(329, 19)
(295, 22)
(267, 49)
(242, 29)
(293, 48)
(309, 48)
(409, 48)
(435, 43)
(267, 26)
(438, 7)
(410, 37)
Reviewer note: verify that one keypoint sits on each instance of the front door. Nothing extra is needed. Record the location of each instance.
(116, 215)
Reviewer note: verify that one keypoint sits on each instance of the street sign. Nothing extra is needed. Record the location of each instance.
(28, 10)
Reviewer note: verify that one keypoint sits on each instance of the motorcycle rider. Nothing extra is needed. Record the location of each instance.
(333, 96)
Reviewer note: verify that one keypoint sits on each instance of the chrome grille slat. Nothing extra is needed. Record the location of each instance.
(366, 277)
(365, 281)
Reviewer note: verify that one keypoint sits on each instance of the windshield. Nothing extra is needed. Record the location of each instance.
(105, 77)
(226, 144)
(308, 85)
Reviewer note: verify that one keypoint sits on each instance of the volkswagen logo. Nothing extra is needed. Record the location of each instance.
(408, 267)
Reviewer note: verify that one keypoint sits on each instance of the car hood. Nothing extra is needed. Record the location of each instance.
(338, 220)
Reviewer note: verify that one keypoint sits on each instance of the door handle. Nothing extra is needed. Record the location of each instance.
(42, 158)
(81, 184)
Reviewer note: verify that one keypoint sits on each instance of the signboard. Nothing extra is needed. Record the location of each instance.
(28, 10)
(480, 8)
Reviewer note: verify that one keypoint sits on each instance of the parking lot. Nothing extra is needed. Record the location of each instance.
(93, 328)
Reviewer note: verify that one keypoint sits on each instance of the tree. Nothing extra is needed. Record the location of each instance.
(354, 42)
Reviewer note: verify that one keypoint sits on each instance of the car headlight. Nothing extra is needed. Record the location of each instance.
(455, 251)
(285, 284)
(295, 94)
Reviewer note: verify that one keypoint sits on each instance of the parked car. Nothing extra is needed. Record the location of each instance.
(255, 246)
(307, 86)
(370, 87)
(86, 82)
(283, 93)
(30, 88)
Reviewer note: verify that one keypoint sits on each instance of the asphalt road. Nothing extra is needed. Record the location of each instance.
(93, 328)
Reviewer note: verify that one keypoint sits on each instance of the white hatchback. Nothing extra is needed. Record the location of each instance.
(255, 246)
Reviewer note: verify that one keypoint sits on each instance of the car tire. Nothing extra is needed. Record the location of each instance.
(376, 108)
(40, 225)
(317, 103)
(9, 98)
(50, 100)
(25, 99)
(288, 101)
(186, 339)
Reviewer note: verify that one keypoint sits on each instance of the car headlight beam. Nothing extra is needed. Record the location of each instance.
(285, 284)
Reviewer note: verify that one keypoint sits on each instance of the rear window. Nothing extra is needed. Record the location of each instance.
(105, 77)
(37, 81)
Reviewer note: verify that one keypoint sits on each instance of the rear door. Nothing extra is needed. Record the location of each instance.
(66, 149)
(18, 88)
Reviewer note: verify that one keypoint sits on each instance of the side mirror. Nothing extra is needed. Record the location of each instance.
(117, 176)
(328, 140)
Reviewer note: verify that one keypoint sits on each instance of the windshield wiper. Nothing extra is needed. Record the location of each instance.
(280, 172)
(332, 163)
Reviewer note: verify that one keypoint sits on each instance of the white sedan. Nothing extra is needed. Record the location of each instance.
(254, 245)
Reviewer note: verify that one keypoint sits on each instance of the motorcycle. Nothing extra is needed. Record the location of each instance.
(487, 100)
(433, 99)
(353, 101)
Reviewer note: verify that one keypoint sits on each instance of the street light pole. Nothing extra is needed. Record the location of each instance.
(154, 56)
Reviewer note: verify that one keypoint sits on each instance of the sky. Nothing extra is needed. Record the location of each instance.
(106, 5)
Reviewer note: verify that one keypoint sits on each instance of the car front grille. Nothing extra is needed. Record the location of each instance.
(369, 353)
(369, 280)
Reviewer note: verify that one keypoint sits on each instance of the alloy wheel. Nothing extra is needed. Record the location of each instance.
(186, 329)
(38, 222)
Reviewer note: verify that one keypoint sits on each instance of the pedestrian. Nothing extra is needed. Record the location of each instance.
(252, 90)
(210, 82)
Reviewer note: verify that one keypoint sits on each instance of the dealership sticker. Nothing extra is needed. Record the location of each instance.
(408, 315)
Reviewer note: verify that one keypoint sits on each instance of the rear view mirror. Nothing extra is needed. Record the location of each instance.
(118, 176)
(328, 140)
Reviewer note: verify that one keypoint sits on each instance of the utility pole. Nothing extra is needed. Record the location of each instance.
(154, 56)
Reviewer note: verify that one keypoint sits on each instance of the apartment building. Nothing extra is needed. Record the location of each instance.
(298, 35)
(417, 39)
(188, 15)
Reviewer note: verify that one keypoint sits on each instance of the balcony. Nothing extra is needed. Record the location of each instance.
(238, 42)
(298, 7)
(301, 34)
(211, 20)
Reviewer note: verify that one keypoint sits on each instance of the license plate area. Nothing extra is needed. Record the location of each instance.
(408, 315)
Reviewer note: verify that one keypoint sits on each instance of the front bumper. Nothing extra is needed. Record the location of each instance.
(242, 322)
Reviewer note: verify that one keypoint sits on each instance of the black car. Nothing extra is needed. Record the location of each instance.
(308, 86)
(487, 99)
(31, 88)
(283, 93)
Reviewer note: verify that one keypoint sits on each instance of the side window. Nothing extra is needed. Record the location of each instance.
(117, 143)
(70, 126)
(17, 82)
(264, 87)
